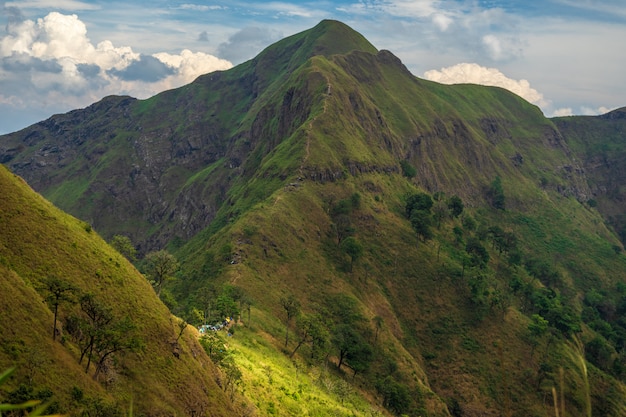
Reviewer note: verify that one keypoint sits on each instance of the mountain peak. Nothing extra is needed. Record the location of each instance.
(334, 37)
(329, 37)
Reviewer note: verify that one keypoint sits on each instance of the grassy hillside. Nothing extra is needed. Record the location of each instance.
(457, 333)
(598, 141)
(158, 375)
(387, 245)
(452, 333)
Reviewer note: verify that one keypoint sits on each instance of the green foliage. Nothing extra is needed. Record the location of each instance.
(23, 399)
(420, 202)
(124, 246)
(538, 326)
(353, 248)
(214, 346)
(495, 193)
(408, 170)
(352, 347)
(160, 267)
(456, 206)
(479, 256)
(58, 292)
(291, 305)
(421, 221)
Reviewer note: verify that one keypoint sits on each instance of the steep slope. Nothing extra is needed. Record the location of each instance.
(599, 144)
(157, 373)
(169, 160)
(292, 178)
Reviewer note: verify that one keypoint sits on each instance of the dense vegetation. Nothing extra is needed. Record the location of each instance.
(384, 245)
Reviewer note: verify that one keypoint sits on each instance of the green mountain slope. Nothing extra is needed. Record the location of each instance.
(599, 143)
(302, 175)
(159, 375)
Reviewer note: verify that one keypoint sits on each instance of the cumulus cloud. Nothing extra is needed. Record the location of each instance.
(50, 63)
(188, 65)
(476, 74)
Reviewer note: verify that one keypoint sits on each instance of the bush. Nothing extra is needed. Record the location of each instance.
(408, 170)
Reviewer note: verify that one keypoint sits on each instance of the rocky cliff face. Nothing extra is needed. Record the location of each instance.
(600, 146)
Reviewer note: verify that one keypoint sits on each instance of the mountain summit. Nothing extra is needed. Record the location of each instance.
(446, 249)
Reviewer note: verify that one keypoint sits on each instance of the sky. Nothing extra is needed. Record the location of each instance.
(565, 56)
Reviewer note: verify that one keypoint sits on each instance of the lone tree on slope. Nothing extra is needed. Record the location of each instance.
(292, 308)
(160, 266)
(59, 291)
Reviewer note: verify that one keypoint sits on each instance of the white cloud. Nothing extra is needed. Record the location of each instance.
(493, 46)
(189, 65)
(199, 7)
(51, 64)
(442, 21)
(63, 37)
(476, 74)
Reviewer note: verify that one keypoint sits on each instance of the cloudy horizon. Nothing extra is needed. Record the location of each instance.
(565, 57)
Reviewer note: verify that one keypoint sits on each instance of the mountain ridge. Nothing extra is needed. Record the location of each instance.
(293, 175)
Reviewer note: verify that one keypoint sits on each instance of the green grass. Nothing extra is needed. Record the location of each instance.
(276, 385)
(36, 241)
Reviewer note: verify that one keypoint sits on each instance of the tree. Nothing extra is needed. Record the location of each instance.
(226, 306)
(213, 345)
(440, 211)
(496, 194)
(160, 267)
(206, 299)
(59, 291)
(421, 221)
(478, 254)
(118, 337)
(342, 227)
(182, 325)
(419, 201)
(292, 308)
(395, 395)
(307, 328)
(408, 170)
(353, 349)
(455, 205)
(124, 246)
(99, 317)
(353, 249)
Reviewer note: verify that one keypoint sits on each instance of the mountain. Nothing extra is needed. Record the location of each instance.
(147, 365)
(444, 246)
(598, 142)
